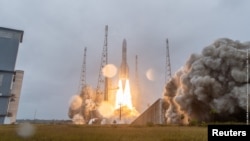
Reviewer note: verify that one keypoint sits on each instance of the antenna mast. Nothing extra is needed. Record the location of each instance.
(137, 75)
(168, 65)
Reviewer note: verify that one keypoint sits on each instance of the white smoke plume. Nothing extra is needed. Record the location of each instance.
(89, 108)
(83, 106)
(78, 119)
(211, 86)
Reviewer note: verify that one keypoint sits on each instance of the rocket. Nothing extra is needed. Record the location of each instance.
(123, 73)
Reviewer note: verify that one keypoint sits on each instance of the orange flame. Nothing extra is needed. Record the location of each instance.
(123, 96)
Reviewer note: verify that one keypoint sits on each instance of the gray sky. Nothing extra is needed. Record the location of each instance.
(56, 32)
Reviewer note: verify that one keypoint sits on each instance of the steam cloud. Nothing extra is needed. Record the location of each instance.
(83, 106)
(90, 108)
(212, 86)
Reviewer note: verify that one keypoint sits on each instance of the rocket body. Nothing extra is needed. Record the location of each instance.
(124, 71)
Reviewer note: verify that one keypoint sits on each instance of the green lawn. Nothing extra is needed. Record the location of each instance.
(105, 133)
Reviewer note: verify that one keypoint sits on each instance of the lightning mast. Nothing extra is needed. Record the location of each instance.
(168, 65)
(137, 88)
(137, 76)
(102, 84)
(83, 72)
(136, 71)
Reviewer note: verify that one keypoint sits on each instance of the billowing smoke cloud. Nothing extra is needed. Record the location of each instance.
(89, 108)
(83, 107)
(212, 86)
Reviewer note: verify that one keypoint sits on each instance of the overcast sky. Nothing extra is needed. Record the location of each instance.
(56, 32)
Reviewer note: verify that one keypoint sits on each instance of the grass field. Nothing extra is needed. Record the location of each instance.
(105, 133)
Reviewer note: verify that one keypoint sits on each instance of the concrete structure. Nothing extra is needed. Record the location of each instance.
(16, 91)
(10, 79)
(153, 115)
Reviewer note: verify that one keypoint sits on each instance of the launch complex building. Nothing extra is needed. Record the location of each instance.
(10, 79)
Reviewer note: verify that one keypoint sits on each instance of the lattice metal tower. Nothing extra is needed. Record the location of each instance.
(82, 83)
(168, 65)
(102, 84)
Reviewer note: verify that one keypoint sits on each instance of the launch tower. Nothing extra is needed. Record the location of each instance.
(102, 84)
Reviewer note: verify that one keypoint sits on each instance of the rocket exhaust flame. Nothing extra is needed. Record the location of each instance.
(123, 96)
(124, 110)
